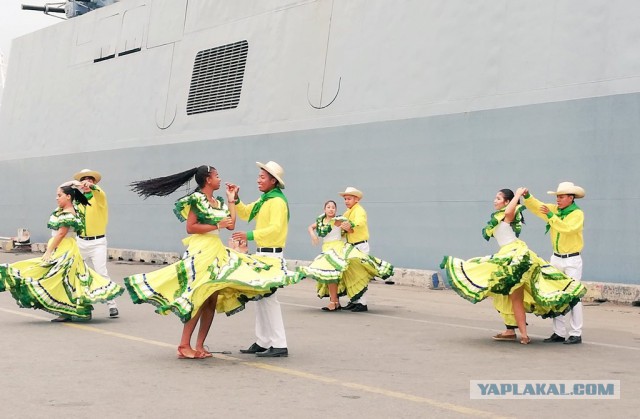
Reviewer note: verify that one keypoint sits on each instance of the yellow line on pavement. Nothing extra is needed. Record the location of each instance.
(281, 370)
(465, 326)
(389, 393)
(93, 329)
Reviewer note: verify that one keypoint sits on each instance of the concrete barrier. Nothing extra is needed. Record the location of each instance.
(143, 256)
(39, 247)
(597, 291)
(615, 293)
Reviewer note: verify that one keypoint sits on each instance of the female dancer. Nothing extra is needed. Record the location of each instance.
(60, 282)
(340, 269)
(532, 284)
(209, 276)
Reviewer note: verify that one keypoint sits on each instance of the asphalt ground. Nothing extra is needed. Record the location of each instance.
(412, 355)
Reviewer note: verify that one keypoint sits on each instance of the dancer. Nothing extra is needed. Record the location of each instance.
(341, 269)
(515, 270)
(271, 212)
(60, 282)
(210, 277)
(92, 241)
(356, 231)
(565, 222)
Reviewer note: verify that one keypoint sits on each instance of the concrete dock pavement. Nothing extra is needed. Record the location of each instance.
(412, 355)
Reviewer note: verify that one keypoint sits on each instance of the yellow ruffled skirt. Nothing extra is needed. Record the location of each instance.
(343, 264)
(547, 291)
(64, 286)
(208, 267)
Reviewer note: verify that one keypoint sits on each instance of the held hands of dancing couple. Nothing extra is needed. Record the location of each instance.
(523, 191)
(346, 226)
(231, 191)
(237, 243)
(239, 237)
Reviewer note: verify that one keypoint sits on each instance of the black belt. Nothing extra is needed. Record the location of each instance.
(355, 244)
(91, 237)
(269, 249)
(568, 255)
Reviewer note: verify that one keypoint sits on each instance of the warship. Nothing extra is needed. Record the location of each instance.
(428, 107)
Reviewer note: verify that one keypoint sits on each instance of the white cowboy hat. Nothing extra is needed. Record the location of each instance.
(275, 170)
(88, 173)
(351, 191)
(73, 183)
(568, 188)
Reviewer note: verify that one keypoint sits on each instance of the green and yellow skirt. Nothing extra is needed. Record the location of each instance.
(547, 291)
(343, 264)
(208, 267)
(65, 286)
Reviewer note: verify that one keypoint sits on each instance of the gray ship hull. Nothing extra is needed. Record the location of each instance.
(428, 107)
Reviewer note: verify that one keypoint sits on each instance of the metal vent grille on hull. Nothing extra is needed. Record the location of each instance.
(217, 77)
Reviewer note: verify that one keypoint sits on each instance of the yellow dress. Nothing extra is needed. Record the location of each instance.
(64, 286)
(547, 291)
(206, 267)
(341, 263)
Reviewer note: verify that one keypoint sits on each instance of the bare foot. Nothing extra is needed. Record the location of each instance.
(185, 352)
(203, 352)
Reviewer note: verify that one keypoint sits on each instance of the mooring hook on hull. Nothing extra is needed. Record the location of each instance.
(328, 104)
(163, 127)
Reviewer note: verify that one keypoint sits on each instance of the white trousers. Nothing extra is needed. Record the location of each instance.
(269, 324)
(571, 323)
(94, 253)
(364, 248)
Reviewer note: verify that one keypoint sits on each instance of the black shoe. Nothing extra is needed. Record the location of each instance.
(273, 353)
(61, 319)
(350, 306)
(359, 307)
(253, 349)
(554, 338)
(113, 312)
(389, 282)
(573, 340)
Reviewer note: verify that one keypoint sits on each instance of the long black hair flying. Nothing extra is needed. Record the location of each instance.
(166, 185)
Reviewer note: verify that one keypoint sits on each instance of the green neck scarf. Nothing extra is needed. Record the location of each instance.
(273, 193)
(497, 217)
(562, 213)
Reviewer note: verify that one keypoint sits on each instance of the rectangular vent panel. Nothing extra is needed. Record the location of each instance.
(217, 77)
